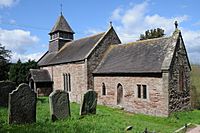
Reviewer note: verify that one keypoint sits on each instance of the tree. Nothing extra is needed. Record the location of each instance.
(19, 71)
(153, 33)
(4, 62)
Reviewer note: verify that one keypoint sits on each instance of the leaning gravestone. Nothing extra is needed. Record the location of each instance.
(6, 87)
(22, 105)
(89, 103)
(59, 105)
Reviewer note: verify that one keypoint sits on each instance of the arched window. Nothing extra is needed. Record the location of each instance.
(103, 89)
(119, 93)
(67, 82)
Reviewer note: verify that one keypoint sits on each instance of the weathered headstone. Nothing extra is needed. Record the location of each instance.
(89, 103)
(22, 105)
(6, 87)
(59, 105)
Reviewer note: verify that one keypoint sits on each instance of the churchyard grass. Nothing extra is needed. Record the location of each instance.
(107, 120)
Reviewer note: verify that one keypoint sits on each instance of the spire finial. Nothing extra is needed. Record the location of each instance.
(176, 24)
(61, 8)
(110, 23)
(176, 31)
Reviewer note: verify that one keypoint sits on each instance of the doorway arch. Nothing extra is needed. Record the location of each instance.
(119, 94)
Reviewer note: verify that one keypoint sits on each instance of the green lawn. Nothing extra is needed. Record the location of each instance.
(107, 120)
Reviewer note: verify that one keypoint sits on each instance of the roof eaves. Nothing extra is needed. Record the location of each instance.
(42, 57)
(151, 74)
(127, 72)
(53, 64)
(47, 63)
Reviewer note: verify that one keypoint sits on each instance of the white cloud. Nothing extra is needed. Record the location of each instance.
(7, 3)
(155, 21)
(26, 57)
(192, 40)
(133, 21)
(116, 15)
(134, 15)
(17, 40)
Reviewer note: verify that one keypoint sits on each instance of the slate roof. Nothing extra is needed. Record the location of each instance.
(72, 51)
(40, 75)
(145, 56)
(61, 25)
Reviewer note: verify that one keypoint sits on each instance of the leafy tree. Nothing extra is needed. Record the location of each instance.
(19, 71)
(4, 62)
(153, 33)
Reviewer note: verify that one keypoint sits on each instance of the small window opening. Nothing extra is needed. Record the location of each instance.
(103, 89)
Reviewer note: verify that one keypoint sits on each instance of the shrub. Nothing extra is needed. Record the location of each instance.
(6, 87)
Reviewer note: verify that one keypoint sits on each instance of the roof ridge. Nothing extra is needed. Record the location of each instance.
(140, 41)
(93, 35)
(151, 39)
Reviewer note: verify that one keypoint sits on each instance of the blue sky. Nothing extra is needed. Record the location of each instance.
(25, 24)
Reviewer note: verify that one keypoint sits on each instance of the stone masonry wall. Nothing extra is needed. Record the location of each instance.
(155, 104)
(179, 99)
(78, 79)
(98, 53)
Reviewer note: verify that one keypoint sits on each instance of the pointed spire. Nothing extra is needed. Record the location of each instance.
(61, 25)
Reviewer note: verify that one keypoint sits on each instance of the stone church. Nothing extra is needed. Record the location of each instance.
(149, 76)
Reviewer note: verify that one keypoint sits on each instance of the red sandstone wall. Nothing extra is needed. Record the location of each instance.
(155, 104)
(78, 79)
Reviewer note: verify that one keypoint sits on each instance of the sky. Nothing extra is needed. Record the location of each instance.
(25, 24)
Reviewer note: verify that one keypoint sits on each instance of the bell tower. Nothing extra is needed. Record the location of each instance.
(60, 34)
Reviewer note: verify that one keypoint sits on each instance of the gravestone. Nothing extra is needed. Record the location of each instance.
(89, 103)
(6, 87)
(59, 105)
(22, 105)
